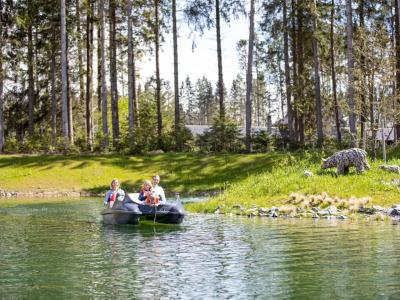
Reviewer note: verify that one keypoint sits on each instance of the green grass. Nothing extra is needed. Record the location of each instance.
(185, 173)
(272, 188)
(264, 180)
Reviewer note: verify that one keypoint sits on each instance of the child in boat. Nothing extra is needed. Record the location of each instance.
(146, 195)
(114, 194)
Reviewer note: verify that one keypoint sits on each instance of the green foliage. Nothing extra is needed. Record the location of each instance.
(223, 136)
(262, 142)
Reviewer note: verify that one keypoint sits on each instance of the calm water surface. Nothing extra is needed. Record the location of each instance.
(64, 251)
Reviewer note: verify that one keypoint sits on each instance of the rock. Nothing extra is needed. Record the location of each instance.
(315, 216)
(308, 173)
(332, 210)
(324, 212)
(262, 210)
(274, 214)
(342, 217)
(390, 168)
(394, 211)
(238, 206)
(378, 208)
(217, 211)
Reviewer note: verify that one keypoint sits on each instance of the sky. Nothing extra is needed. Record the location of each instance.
(203, 59)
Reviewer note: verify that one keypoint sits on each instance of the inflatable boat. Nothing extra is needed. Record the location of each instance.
(131, 211)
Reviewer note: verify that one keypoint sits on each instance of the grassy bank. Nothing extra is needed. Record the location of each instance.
(264, 180)
(273, 187)
(185, 173)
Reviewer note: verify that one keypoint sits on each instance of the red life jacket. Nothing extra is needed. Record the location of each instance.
(113, 197)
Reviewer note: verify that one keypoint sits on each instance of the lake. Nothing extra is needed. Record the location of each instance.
(62, 250)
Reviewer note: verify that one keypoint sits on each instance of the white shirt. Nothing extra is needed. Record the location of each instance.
(159, 191)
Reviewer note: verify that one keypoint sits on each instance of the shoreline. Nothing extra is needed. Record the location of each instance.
(4, 194)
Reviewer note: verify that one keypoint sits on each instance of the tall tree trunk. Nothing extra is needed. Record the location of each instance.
(350, 70)
(397, 39)
(295, 77)
(1, 80)
(249, 78)
(364, 109)
(69, 100)
(64, 93)
(287, 72)
(89, 74)
(53, 88)
(317, 83)
(158, 79)
(372, 116)
(300, 60)
(80, 55)
(131, 74)
(113, 76)
(31, 80)
(176, 80)
(333, 73)
(98, 92)
(257, 90)
(219, 56)
(104, 109)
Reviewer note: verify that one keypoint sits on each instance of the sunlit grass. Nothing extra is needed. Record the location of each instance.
(272, 188)
(185, 173)
(263, 180)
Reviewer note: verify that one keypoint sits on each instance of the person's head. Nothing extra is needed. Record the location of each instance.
(114, 184)
(147, 185)
(156, 180)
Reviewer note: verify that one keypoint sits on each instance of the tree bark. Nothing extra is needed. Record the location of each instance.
(69, 100)
(249, 78)
(89, 74)
(31, 80)
(295, 77)
(333, 74)
(53, 88)
(219, 56)
(364, 110)
(104, 109)
(317, 83)
(158, 79)
(64, 94)
(98, 92)
(80, 55)
(113, 76)
(1, 80)
(372, 115)
(131, 74)
(176, 80)
(397, 39)
(350, 70)
(287, 73)
(300, 60)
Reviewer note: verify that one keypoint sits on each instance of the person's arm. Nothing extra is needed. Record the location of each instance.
(121, 195)
(142, 196)
(162, 196)
(106, 198)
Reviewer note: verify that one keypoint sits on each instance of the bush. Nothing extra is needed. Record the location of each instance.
(223, 136)
(262, 142)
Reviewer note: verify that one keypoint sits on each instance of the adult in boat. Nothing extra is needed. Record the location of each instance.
(158, 190)
(147, 195)
(114, 194)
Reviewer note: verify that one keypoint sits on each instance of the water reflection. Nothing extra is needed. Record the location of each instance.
(63, 250)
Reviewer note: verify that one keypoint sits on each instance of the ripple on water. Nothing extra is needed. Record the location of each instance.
(64, 251)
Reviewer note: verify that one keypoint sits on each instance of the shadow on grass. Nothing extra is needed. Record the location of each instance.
(180, 172)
